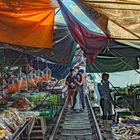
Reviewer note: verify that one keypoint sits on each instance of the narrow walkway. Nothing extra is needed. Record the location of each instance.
(77, 126)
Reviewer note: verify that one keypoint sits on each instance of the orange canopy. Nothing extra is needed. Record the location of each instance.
(27, 22)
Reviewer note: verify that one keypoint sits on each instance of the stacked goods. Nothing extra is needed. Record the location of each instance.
(54, 99)
(37, 97)
(127, 119)
(11, 120)
(21, 84)
(3, 135)
(22, 103)
(3, 101)
(126, 131)
(13, 88)
(31, 83)
(29, 114)
(43, 85)
(4, 98)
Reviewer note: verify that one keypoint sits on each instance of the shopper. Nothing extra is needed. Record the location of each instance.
(106, 100)
(70, 82)
(85, 82)
(79, 92)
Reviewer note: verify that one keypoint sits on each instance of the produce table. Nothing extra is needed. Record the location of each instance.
(126, 131)
(127, 125)
(31, 107)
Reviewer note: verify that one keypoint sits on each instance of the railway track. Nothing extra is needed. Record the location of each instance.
(76, 125)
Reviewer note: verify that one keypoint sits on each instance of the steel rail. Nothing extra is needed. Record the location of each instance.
(99, 135)
(95, 121)
(58, 121)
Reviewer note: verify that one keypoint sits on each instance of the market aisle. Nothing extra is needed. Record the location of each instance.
(77, 126)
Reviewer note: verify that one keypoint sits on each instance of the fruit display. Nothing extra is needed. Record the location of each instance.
(37, 97)
(43, 84)
(22, 103)
(3, 101)
(53, 99)
(3, 135)
(126, 131)
(20, 109)
(4, 98)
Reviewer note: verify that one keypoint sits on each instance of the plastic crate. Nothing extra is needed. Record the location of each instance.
(45, 112)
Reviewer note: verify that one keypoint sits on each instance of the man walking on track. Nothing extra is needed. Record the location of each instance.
(70, 82)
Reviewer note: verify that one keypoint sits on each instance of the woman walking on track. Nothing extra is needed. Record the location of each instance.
(79, 91)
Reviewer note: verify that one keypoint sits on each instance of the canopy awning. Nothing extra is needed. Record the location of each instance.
(112, 64)
(62, 52)
(27, 22)
(120, 49)
(90, 42)
(118, 19)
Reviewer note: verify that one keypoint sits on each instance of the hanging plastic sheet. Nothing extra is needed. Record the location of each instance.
(58, 70)
(112, 64)
(91, 42)
(62, 52)
(116, 49)
(9, 57)
(119, 19)
(27, 22)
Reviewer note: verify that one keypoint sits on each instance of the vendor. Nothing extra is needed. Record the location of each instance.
(106, 100)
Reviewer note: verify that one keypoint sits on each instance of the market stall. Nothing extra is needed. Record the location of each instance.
(127, 122)
(22, 110)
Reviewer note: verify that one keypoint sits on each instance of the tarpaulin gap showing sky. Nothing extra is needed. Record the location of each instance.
(76, 11)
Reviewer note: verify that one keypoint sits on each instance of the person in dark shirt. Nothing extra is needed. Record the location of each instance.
(70, 82)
